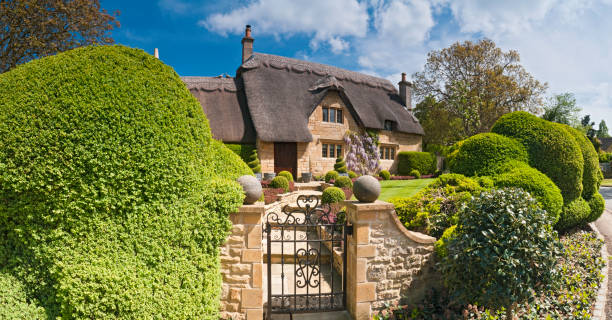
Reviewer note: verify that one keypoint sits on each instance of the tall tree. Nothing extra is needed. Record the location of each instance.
(587, 126)
(440, 126)
(35, 28)
(478, 82)
(602, 132)
(562, 108)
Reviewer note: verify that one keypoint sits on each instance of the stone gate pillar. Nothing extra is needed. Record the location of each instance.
(386, 262)
(242, 265)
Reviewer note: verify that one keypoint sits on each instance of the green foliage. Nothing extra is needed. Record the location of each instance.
(352, 174)
(253, 161)
(332, 195)
(575, 213)
(605, 157)
(340, 165)
(562, 109)
(477, 153)
(384, 174)
(425, 162)
(485, 182)
(115, 197)
(286, 174)
(343, 182)
(537, 184)
(497, 233)
(331, 175)
(551, 149)
(435, 208)
(14, 304)
(440, 245)
(244, 151)
(280, 182)
(592, 175)
(415, 173)
(597, 205)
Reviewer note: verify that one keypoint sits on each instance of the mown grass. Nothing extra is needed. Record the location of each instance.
(401, 188)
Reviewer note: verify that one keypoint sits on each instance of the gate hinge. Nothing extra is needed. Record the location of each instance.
(349, 230)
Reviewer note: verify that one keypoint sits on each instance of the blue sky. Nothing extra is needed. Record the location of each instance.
(565, 43)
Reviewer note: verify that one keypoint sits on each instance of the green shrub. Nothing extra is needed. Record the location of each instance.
(458, 182)
(340, 165)
(332, 195)
(597, 205)
(424, 162)
(592, 175)
(331, 175)
(537, 184)
(286, 174)
(551, 149)
(484, 150)
(497, 233)
(575, 213)
(115, 197)
(415, 173)
(440, 245)
(253, 161)
(604, 157)
(14, 303)
(485, 182)
(280, 182)
(384, 174)
(352, 174)
(244, 151)
(343, 182)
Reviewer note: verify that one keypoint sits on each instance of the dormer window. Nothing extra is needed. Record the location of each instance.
(333, 115)
(388, 125)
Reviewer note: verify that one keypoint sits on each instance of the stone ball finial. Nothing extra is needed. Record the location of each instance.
(252, 188)
(366, 189)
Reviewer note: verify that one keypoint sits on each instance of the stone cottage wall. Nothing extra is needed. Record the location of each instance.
(402, 142)
(386, 262)
(242, 265)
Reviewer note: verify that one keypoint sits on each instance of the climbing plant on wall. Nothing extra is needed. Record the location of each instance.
(362, 152)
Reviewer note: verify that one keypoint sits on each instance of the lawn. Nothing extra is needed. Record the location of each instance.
(401, 188)
(607, 183)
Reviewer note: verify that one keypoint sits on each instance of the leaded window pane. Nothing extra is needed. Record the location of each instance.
(325, 114)
(324, 151)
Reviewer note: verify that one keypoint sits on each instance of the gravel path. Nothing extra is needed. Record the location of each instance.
(604, 224)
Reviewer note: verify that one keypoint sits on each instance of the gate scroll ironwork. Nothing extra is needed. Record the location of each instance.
(305, 247)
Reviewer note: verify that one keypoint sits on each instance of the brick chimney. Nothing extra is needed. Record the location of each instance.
(405, 91)
(247, 44)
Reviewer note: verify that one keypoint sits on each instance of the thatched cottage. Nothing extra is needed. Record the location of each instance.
(297, 112)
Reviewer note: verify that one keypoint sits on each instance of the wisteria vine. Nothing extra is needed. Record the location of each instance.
(362, 153)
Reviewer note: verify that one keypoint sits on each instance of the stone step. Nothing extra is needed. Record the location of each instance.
(335, 315)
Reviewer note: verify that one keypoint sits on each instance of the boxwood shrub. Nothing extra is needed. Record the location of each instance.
(552, 150)
(343, 182)
(597, 205)
(115, 197)
(573, 214)
(425, 162)
(384, 174)
(332, 195)
(331, 175)
(243, 150)
(280, 182)
(481, 151)
(286, 174)
(592, 175)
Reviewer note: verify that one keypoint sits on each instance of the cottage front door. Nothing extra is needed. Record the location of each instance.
(285, 157)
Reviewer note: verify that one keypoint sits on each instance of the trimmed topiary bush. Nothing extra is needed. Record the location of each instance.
(384, 174)
(424, 162)
(592, 175)
(575, 213)
(415, 173)
(331, 175)
(14, 303)
(280, 182)
(498, 232)
(352, 174)
(597, 205)
(477, 153)
(253, 161)
(244, 151)
(537, 184)
(332, 195)
(115, 197)
(286, 174)
(485, 182)
(340, 165)
(552, 150)
(343, 182)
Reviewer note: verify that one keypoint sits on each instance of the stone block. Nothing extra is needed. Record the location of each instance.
(365, 292)
(360, 270)
(234, 294)
(257, 275)
(252, 298)
(254, 314)
(361, 233)
(240, 268)
(252, 218)
(254, 237)
(252, 255)
(363, 311)
(366, 251)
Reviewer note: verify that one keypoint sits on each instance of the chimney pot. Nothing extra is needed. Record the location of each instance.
(156, 53)
(403, 76)
(247, 44)
(405, 91)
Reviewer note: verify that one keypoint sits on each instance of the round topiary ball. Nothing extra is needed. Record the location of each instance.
(416, 174)
(252, 188)
(384, 174)
(332, 195)
(280, 182)
(343, 182)
(331, 175)
(286, 174)
(352, 174)
(366, 189)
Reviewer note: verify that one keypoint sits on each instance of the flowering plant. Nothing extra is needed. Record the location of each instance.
(362, 153)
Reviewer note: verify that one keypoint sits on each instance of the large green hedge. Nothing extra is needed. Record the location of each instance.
(552, 150)
(592, 175)
(113, 195)
(424, 162)
(242, 150)
(478, 153)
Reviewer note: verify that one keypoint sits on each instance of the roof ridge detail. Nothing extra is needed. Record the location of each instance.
(211, 83)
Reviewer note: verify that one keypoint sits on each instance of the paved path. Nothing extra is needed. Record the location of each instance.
(604, 224)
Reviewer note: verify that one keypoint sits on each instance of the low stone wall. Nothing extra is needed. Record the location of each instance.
(606, 169)
(242, 265)
(386, 262)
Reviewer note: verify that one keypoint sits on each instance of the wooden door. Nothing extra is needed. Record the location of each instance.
(285, 157)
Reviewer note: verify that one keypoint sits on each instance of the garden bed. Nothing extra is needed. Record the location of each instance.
(580, 266)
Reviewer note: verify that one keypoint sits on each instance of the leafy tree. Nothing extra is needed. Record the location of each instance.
(440, 126)
(586, 126)
(602, 132)
(36, 28)
(562, 108)
(476, 83)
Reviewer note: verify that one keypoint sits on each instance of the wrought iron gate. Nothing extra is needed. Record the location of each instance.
(306, 258)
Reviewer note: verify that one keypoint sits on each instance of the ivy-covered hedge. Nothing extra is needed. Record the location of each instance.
(114, 196)
(552, 150)
(424, 162)
(478, 153)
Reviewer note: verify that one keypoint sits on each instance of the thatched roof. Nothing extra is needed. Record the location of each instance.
(224, 104)
(281, 93)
